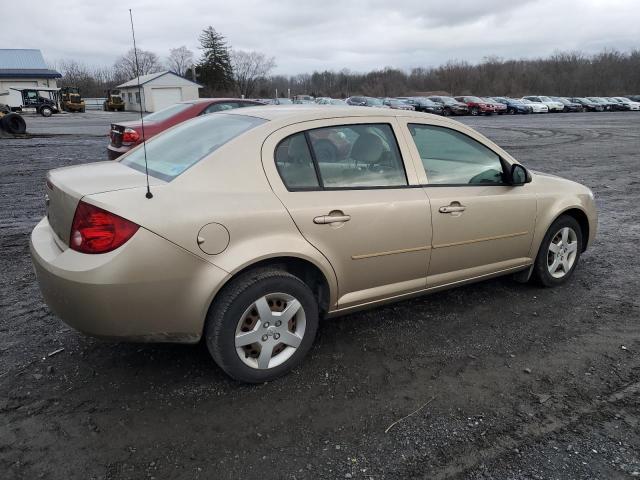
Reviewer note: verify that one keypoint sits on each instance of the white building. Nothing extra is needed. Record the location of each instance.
(159, 90)
(23, 68)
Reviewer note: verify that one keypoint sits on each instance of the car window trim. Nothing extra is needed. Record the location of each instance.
(503, 162)
(316, 167)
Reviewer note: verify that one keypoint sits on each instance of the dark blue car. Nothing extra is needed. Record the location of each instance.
(513, 106)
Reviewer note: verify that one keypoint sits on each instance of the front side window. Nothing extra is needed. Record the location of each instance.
(346, 156)
(173, 152)
(452, 158)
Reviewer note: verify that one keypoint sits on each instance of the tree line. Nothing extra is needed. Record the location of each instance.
(224, 71)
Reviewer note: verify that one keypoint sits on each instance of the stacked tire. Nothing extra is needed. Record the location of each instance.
(13, 123)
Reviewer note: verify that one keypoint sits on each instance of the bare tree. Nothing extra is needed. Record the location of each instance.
(180, 60)
(149, 62)
(249, 68)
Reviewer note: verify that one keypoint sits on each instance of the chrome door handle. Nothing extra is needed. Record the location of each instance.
(452, 209)
(324, 219)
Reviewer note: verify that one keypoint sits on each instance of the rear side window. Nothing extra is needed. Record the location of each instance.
(222, 106)
(450, 157)
(165, 113)
(294, 163)
(341, 157)
(174, 151)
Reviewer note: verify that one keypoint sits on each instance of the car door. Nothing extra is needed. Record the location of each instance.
(352, 195)
(481, 225)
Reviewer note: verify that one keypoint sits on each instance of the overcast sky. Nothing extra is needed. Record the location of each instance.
(306, 35)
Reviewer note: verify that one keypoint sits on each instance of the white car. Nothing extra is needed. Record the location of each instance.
(553, 105)
(632, 105)
(537, 107)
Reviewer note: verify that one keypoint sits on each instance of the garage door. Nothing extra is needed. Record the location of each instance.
(163, 97)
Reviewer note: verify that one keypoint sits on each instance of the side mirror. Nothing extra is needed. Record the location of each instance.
(519, 175)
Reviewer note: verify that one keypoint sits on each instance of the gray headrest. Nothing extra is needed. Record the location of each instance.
(368, 149)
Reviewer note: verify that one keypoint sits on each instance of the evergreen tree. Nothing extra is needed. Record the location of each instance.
(215, 69)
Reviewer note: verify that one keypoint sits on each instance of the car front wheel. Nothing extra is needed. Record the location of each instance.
(559, 252)
(262, 325)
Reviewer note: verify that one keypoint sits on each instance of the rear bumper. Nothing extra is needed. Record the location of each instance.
(147, 290)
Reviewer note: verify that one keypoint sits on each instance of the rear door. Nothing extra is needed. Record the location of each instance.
(352, 195)
(481, 225)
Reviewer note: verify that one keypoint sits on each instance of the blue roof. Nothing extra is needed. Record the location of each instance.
(17, 62)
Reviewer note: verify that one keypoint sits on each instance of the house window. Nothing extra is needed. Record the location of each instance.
(137, 97)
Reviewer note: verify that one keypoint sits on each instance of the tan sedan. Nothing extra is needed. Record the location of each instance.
(266, 219)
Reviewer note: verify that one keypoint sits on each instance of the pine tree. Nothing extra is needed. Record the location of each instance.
(215, 69)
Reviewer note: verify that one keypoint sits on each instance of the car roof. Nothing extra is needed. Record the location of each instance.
(302, 112)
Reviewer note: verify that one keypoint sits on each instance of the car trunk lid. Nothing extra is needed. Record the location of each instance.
(66, 187)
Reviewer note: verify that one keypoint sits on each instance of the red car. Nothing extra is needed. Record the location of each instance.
(477, 106)
(126, 135)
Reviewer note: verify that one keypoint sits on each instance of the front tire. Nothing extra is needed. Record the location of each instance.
(261, 325)
(46, 111)
(559, 252)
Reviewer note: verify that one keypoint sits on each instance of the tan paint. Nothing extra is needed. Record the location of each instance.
(396, 245)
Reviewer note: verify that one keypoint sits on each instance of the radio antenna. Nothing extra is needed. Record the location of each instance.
(144, 138)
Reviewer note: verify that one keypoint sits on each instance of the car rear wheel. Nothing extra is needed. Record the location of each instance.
(46, 111)
(559, 252)
(262, 325)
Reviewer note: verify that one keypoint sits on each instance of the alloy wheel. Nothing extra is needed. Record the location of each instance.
(270, 331)
(562, 253)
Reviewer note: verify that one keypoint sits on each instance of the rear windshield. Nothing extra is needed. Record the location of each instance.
(168, 112)
(173, 152)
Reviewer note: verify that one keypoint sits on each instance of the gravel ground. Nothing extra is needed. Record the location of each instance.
(509, 381)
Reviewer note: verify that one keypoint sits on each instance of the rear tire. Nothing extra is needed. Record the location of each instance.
(559, 252)
(242, 313)
(13, 123)
(46, 112)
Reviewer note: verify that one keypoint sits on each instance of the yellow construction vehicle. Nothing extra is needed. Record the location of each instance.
(70, 100)
(113, 102)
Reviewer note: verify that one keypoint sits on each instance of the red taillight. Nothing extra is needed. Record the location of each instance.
(130, 136)
(95, 230)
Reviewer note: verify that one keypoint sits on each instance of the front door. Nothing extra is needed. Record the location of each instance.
(481, 225)
(351, 196)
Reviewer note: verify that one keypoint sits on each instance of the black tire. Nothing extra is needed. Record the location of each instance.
(540, 269)
(475, 111)
(229, 307)
(511, 111)
(446, 112)
(46, 111)
(13, 123)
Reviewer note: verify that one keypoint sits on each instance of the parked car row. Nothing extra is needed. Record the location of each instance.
(126, 135)
(474, 105)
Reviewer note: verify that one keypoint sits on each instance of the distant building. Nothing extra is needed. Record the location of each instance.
(159, 90)
(24, 68)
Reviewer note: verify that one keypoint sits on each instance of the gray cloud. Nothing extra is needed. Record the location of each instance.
(329, 34)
